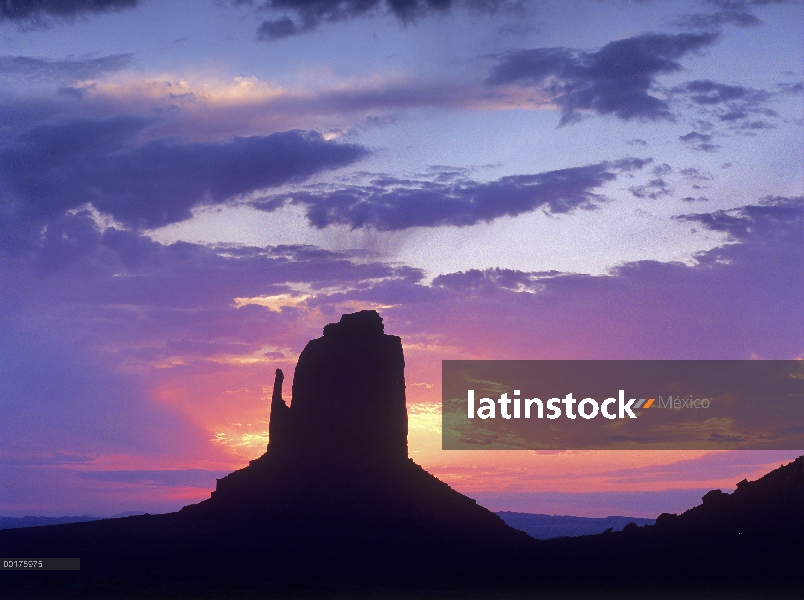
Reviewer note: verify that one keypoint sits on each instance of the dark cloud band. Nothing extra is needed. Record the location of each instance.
(62, 70)
(53, 168)
(615, 80)
(388, 205)
(34, 10)
(309, 14)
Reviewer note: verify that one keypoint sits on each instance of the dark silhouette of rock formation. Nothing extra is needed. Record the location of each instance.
(348, 418)
(348, 397)
(336, 500)
(772, 503)
(752, 537)
(336, 478)
(344, 438)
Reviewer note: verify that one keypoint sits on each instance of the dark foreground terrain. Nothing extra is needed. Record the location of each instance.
(336, 509)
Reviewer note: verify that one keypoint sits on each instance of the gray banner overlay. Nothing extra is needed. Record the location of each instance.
(622, 404)
(40, 564)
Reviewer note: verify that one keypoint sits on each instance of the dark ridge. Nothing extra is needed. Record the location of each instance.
(772, 503)
(752, 538)
(29, 521)
(19, 522)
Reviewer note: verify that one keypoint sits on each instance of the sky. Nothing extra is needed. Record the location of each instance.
(191, 189)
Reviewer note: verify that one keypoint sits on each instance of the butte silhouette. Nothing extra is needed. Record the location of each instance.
(336, 486)
(335, 501)
(335, 498)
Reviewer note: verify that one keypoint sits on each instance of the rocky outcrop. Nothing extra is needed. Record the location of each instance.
(345, 427)
(279, 427)
(348, 397)
(336, 477)
(772, 503)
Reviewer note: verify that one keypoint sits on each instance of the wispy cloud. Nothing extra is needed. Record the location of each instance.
(739, 13)
(301, 16)
(201, 478)
(63, 71)
(389, 204)
(38, 12)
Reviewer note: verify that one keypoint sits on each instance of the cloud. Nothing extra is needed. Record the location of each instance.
(201, 109)
(730, 103)
(693, 174)
(282, 28)
(735, 301)
(310, 14)
(727, 12)
(60, 397)
(730, 466)
(794, 89)
(714, 21)
(643, 504)
(50, 459)
(121, 269)
(616, 80)
(36, 11)
(66, 239)
(19, 114)
(655, 188)
(742, 4)
(391, 204)
(111, 343)
(699, 141)
(202, 478)
(62, 70)
(774, 219)
(155, 183)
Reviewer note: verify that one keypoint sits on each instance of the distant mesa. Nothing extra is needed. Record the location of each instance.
(545, 527)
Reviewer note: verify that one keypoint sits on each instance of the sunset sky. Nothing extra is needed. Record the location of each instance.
(191, 189)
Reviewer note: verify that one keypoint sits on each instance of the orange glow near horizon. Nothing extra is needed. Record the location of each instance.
(231, 402)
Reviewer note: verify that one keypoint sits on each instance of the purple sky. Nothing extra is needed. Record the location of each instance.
(191, 190)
